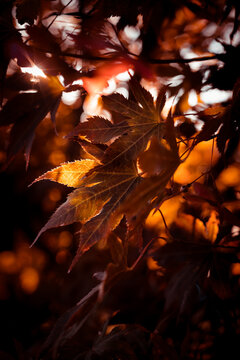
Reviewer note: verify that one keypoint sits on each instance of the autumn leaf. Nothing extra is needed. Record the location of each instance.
(161, 99)
(81, 205)
(143, 121)
(25, 111)
(94, 203)
(203, 195)
(156, 158)
(170, 135)
(146, 190)
(43, 38)
(95, 151)
(99, 202)
(99, 130)
(213, 118)
(11, 45)
(69, 174)
(23, 130)
(27, 11)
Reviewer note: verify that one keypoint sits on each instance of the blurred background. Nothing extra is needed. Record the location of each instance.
(35, 288)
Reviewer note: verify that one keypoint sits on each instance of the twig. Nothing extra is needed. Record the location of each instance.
(181, 60)
(165, 224)
(144, 251)
(58, 14)
(189, 150)
(151, 61)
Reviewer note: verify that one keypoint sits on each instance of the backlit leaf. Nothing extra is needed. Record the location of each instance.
(94, 203)
(68, 174)
(99, 130)
(156, 158)
(148, 189)
(143, 123)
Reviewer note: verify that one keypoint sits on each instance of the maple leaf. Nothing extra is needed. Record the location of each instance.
(99, 200)
(146, 190)
(41, 43)
(142, 118)
(95, 151)
(160, 163)
(99, 130)
(94, 202)
(69, 174)
(11, 45)
(202, 194)
(212, 117)
(25, 111)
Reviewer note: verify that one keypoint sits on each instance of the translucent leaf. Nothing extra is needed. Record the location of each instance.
(69, 173)
(98, 130)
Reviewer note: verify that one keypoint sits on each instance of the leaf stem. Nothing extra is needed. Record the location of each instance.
(165, 224)
(144, 250)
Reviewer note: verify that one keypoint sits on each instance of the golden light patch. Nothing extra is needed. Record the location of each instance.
(229, 177)
(65, 239)
(169, 209)
(34, 70)
(197, 163)
(8, 262)
(29, 280)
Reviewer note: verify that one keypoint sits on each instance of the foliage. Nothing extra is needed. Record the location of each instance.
(153, 166)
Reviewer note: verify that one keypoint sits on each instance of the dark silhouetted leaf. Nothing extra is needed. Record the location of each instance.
(99, 130)
(27, 11)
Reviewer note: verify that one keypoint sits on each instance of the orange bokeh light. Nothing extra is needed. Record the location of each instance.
(29, 280)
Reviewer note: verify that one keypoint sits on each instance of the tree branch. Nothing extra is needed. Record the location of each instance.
(151, 61)
(181, 60)
(58, 14)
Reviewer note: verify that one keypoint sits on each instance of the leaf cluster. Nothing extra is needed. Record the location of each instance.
(169, 289)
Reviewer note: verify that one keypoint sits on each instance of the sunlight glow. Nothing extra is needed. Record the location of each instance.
(123, 91)
(125, 76)
(78, 82)
(131, 32)
(111, 87)
(72, 4)
(114, 19)
(215, 47)
(92, 106)
(192, 98)
(150, 87)
(69, 98)
(61, 79)
(34, 70)
(214, 96)
(29, 280)
(167, 107)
